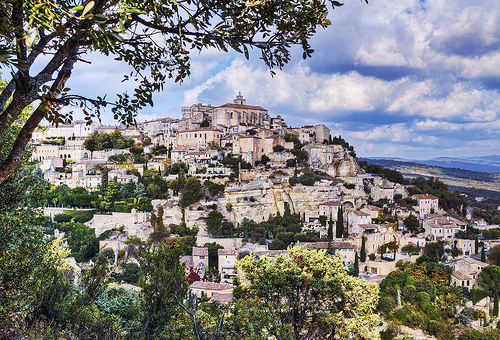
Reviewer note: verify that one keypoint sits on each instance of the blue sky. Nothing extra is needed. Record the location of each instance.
(413, 79)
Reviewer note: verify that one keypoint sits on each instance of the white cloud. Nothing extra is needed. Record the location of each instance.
(393, 133)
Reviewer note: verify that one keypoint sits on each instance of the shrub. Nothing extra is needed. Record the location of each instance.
(385, 305)
(81, 219)
(477, 295)
(387, 334)
(59, 218)
(409, 316)
(372, 257)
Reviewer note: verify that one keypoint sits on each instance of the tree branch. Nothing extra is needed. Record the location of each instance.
(24, 136)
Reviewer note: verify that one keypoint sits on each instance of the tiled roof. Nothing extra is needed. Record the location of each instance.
(332, 203)
(200, 251)
(385, 187)
(359, 213)
(200, 129)
(239, 106)
(460, 275)
(210, 285)
(222, 297)
(373, 208)
(188, 260)
(425, 197)
(324, 245)
(226, 251)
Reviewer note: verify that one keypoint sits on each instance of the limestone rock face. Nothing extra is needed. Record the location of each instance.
(262, 198)
(344, 165)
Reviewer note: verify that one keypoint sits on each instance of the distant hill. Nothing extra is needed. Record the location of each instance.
(478, 183)
(480, 163)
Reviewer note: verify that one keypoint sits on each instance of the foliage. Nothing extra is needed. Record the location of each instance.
(412, 224)
(214, 188)
(59, 218)
(213, 254)
(130, 273)
(311, 294)
(391, 175)
(489, 278)
(477, 295)
(162, 284)
(494, 255)
(214, 222)
(474, 334)
(82, 242)
(102, 141)
(192, 192)
(308, 178)
(278, 148)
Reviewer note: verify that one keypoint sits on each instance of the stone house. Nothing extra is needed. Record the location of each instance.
(239, 114)
(466, 271)
(373, 211)
(329, 209)
(322, 154)
(355, 218)
(378, 192)
(426, 204)
(227, 263)
(439, 227)
(211, 288)
(198, 138)
(346, 250)
(200, 257)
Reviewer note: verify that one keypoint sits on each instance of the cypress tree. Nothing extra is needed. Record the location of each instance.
(356, 265)
(340, 223)
(394, 254)
(330, 230)
(396, 218)
(495, 303)
(363, 249)
(483, 255)
(476, 246)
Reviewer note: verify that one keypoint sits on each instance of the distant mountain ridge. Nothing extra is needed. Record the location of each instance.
(489, 164)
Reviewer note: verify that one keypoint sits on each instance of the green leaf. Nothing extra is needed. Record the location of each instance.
(245, 49)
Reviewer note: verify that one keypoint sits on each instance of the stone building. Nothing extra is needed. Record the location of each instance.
(240, 115)
(199, 138)
(322, 154)
(426, 204)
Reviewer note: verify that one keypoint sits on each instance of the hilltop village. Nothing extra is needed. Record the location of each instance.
(232, 180)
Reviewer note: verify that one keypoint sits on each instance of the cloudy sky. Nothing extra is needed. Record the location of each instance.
(412, 79)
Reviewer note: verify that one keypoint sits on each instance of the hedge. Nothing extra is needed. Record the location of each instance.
(477, 295)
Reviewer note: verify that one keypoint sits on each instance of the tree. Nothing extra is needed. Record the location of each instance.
(62, 32)
(330, 230)
(162, 286)
(264, 159)
(306, 295)
(192, 192)
(362, 253)
(322, 220)
(495, 303)
(483, 255)
(489, 278)
(476, 245)
(411, 223)
(356, 265)
(214, 222)
(340, 223)
(494, 255)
